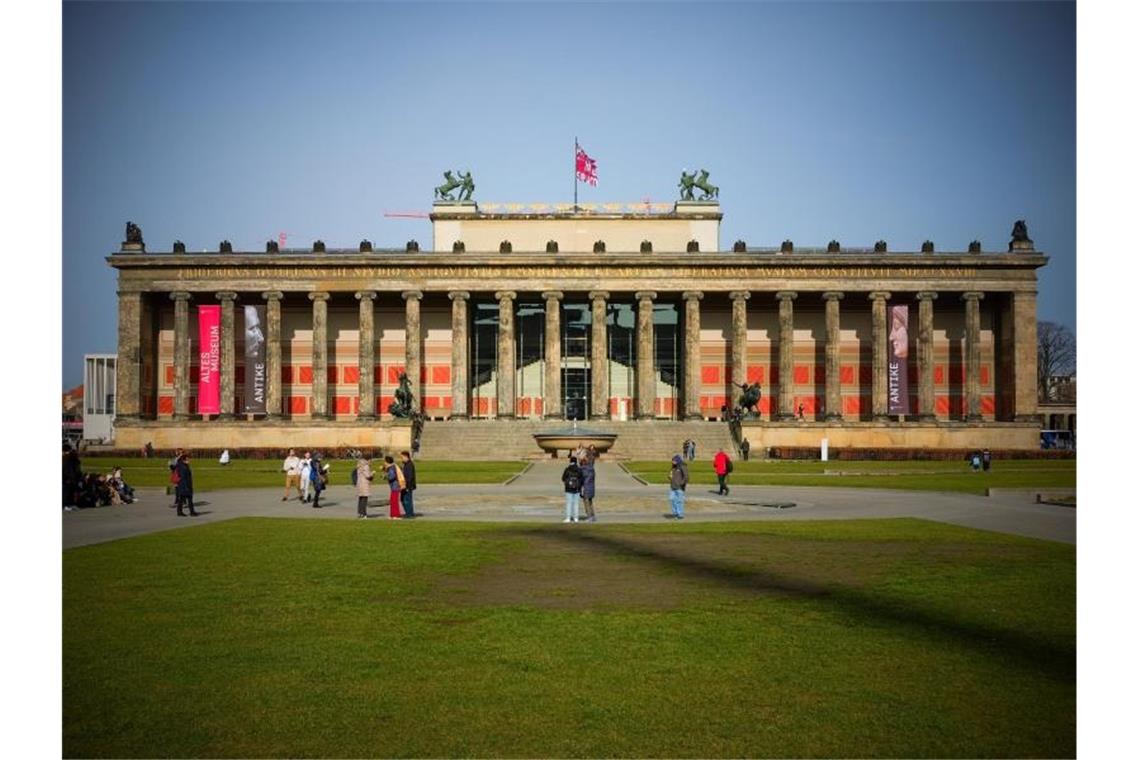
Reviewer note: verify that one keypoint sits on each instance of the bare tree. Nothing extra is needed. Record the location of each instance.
(1056, 357)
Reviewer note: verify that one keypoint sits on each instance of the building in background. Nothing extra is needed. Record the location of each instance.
(99, 397)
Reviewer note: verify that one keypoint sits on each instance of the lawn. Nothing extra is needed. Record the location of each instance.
(276, 637)
(254, 473)
(911, 475)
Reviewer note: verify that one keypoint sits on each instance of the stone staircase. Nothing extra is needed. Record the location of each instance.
(512, 439)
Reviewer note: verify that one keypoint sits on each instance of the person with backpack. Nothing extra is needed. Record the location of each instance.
(184, 491)
(678, 480)
(362, 479)
(319, 474)
(407, 498)
(722, 465)
(589, 480)
(572, 485)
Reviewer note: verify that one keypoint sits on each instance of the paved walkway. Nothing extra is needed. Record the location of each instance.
(536, 496)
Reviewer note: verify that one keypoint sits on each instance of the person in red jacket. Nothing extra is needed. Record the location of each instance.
(722, 465)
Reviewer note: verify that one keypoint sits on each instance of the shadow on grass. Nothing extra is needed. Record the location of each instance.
(1056, 662)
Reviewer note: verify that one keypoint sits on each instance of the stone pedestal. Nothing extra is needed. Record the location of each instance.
(599, 360)
(366, 356)
(505, 389)
(320, 388)
(646, 379)
(552, 357)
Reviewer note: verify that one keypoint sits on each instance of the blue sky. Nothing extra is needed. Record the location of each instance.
(900, 121)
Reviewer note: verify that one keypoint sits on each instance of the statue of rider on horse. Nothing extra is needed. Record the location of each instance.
(463, 182)
(750, 398)
(689, 182)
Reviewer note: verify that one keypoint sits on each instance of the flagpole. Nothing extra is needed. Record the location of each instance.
(575, 175)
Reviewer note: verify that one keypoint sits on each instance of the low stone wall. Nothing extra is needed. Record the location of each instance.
(207, 436)
(914, 436)
(894, 455)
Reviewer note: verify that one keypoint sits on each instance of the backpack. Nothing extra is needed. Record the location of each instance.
(727, 465)
(573, 481)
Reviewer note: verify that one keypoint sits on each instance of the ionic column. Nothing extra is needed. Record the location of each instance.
(272, 353)
(412, 339)
(128, 367)
(973, 355)
(739, 300)
(459, 353)
(181, 354)
(646, 382)
(226, 408)
(832, 396)
(1024, 308)
(599, 359)
(787, 355)
(552, 356)
(506, 381)
(320, 400)
(692, 354)
(925, 346)
(879, 404)
(366, 356)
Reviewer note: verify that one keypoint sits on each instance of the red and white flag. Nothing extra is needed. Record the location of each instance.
(587, 167)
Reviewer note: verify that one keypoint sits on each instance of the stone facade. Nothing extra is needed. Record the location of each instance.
(658, 335)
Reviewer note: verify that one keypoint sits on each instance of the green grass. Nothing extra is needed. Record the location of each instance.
(912, 475)
(255, 473)
(275, 637)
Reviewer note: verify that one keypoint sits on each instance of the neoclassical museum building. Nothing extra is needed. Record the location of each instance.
(628, 318)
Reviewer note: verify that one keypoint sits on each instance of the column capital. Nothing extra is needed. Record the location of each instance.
(318, 297)
(602, 294)
(739, 295)
(409, 295)
(365, 295)
(645, 295)
(552, 294)
(692, 295)
(180, 295)
(458, 295)
(508, 295)
(786, 295)
(879, 295)
(925, 295)
(833, 295)
(973, 295)
(273, 295)
(226, 295)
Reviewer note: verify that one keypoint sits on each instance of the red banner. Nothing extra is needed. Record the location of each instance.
(898, 340)
(587, 168)
(209, 359)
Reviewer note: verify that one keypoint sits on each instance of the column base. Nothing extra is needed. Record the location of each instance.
(785, 417)
(694, 417)
(922, 418)
(600, 417)
(833, 417)
(226, 417)
(369, 417)
(553, 416)
(320, 416)
(1025, 418)
(973, 418)
(641, 416)
(881, 418)
(504, 416)
(180, 417)
(459, 416)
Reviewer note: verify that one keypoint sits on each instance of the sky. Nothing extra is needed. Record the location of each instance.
(848, 121)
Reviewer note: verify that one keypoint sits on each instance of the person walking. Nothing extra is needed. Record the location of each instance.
(394, 476)
(572, 485)
(306, 478)
(319, 473)
(678, 480)
(407, 498)
(292, 469)
(363, 486)
(184, 491)
(722, 465)
(589, 479)
(745, 447)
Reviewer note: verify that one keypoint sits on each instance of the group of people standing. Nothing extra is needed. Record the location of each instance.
(579, 481)
(308, 475)
(401, 477)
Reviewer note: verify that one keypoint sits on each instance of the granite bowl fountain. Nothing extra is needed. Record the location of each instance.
(570, 438)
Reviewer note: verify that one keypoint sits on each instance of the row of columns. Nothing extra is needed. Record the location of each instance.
(130, 307)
